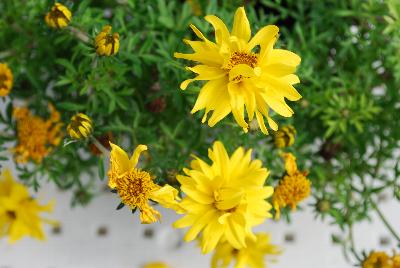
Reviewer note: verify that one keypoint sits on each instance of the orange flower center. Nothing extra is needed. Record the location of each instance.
(242, 58)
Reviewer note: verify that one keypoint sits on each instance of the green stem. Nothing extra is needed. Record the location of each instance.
(385, 221)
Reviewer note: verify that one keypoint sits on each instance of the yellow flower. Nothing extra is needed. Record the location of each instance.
(135, 187)
(156, 265)
(105, 43)
(80, 127)
(58, 17)
(37, 137)
(377, 259)
(293, 188)
(396, 261)
(252, 256)
(224, 200)
(6, 80)
(19, 212)
(239, 77)
(284, 137)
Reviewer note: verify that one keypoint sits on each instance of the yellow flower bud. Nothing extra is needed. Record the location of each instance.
(6, 80)
(58, 17)
(80, 127)
(284, 137)
(107, 44)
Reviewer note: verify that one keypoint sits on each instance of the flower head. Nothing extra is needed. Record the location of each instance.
(6, 80)
(252, 256)
(224, 200)
(238, 77)
(107, 44)
(396, 261)
(19, 212)
(36, 136)
(292, 188)
(377, 259)
(284, 137)
(58, 17)
(136, 187)
(80, 127)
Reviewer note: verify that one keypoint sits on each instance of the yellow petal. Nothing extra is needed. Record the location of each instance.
(241, 25)
(136, 154)
(263, 36)
(221, 32)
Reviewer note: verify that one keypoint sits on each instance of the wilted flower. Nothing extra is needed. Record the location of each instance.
(58, 17)
(107, 44)
(6, 80)
(292, 188)
(37, 136)
(136, 187)
(80, 126)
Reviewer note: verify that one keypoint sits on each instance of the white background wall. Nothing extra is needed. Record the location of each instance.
(79, 245)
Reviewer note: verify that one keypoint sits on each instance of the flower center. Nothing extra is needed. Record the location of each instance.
(11, 214)
(241, 58)
(134, 187)
(218, 196)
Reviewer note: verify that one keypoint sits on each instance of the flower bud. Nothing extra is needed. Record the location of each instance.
(107, 44)
(284, 137)
(80, 126)
(6, 80)
(58, 17)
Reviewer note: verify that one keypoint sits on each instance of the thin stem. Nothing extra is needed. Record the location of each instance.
(79, 34)
(100, 146)
(352, 244)
(385, 221)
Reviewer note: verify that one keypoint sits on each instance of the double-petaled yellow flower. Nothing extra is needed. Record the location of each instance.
(37, 136)
(136, 187)
(242, 73)
(107, 44)
(292, 188)
(58, 17)
(6, 80)
(224, 200)
(19, 212)
(252, 256)
(80, 126)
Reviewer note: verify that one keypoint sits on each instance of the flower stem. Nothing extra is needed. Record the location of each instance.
(100, 146)
(385, 221)
(79, 34)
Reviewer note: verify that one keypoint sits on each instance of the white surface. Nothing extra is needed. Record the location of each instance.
(79, 246)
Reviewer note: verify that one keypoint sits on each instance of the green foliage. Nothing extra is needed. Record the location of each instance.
(347, 131)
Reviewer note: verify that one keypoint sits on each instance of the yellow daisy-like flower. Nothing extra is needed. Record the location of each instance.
(80, 127)
(107, 44)
(377, 259)
(156, 265)
(284, 137)
(224, 200)
(136, 187)
(58, 17)
(6, 80)
(37, 137)
(19, 212)
(239, 77)
(252, 256)
(293, 188)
